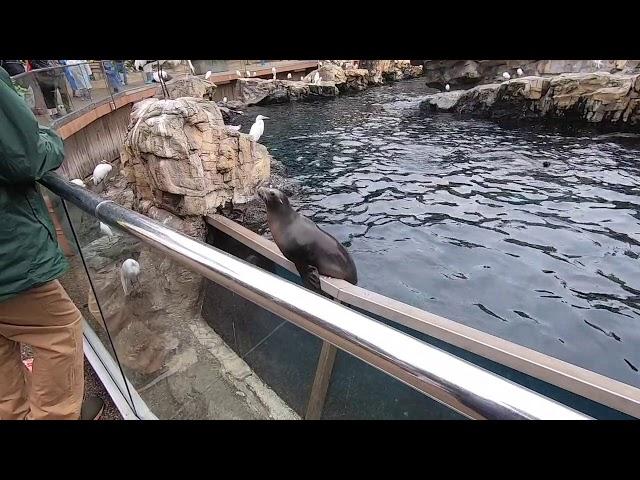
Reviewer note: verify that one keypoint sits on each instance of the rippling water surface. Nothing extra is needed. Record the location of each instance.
(460, 218)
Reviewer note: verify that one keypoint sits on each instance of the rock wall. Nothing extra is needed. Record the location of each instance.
(258, 91)
(468, 73)
(336, 76)
(393, 70)
(596, 98)
(179, 155)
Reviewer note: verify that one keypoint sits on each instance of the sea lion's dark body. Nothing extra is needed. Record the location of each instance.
(309, 247)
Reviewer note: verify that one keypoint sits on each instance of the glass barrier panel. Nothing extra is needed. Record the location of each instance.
(175, 361)
(75, 280)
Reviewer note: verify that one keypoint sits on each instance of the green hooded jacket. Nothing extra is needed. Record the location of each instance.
(29, 252)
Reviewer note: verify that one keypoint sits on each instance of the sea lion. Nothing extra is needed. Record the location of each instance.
(313, 251)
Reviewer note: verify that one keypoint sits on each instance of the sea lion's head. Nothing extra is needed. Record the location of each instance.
(273, 198)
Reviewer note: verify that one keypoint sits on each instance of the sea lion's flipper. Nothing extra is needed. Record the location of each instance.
(310, 277)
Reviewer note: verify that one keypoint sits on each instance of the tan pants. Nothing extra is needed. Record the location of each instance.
(46, 319)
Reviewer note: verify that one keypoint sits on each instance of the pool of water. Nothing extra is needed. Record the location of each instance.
(461, 218)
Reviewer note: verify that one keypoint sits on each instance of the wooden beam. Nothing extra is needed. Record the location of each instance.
(321, 381)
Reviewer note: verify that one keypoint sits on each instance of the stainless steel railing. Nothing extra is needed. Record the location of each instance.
(462, 386)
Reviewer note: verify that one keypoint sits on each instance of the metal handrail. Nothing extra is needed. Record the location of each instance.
(461, 386)
(46, 69)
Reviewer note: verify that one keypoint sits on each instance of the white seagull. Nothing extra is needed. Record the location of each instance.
(288, 76)
(238, 73)
(447, 87)
(257, 129)
(224, 99)
(100, 172)
(207, 75)
(506, 76)
(129, 272)
(316, 78)
(105, 230)
(519, 72)
(273, 70)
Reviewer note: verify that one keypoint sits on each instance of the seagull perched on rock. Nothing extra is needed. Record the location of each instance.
(519, 72)
(238, 73)
(254, 74)
(506, 76)
(129, 272)
(100, 172)
(248, 73)
(273, 70)
(257, 129)
(598, 64)
(224, 99)
(77, 181)
(288, 76)
(165, 76)
(207, 75)
(447, 87)
(316, 78)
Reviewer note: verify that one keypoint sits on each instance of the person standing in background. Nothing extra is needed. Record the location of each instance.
(122, 70)
(79, 77)
(50, 81)
(113, 77)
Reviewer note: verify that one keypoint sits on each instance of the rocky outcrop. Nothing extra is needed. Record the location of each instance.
(258, 91)
(188, 86)
(180, 157)
(598, 98)
(391, 70)
(336, 76)
(468, 73)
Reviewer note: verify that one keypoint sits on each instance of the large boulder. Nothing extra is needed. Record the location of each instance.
(188, 86)
(357, 79)
(180, 157)
(442, 102)
(330, 72)
(258, 91)
(381, 70)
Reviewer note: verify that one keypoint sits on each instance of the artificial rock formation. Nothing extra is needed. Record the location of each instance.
(188, 86)
(258, 91)
(336, 76)
(181, 157)
(468, 73)
(393, 70)
(599, 98)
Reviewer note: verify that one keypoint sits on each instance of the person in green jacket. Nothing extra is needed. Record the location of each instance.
(34, 307)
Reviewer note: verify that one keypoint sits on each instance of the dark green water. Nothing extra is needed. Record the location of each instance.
(460, 218)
